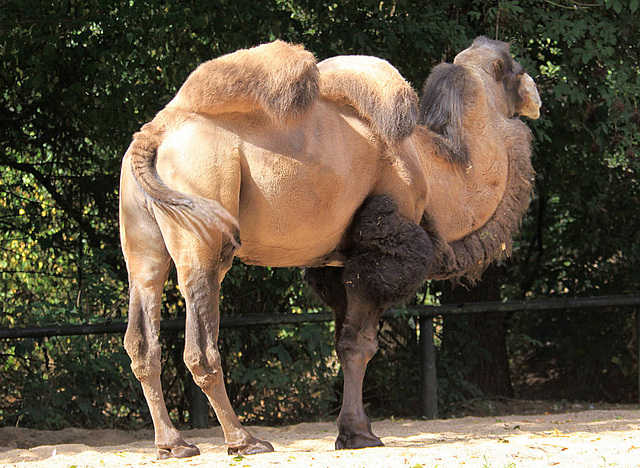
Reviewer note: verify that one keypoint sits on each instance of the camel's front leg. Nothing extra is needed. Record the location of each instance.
(356, 343)
(200, 287)
(389, 259)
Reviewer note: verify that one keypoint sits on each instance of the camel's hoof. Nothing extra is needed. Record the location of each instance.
(357, 441)
(252, 447)
(183, 451)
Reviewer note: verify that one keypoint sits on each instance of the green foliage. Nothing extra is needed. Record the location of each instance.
(79, 78)
(59, 382)
(587, 158)
(278, 375)
(588, 356)
(581, 238)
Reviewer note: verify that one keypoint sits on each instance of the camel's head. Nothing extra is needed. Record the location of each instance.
(515, 90)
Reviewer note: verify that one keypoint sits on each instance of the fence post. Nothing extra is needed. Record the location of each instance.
(429, 387)
(637, 310)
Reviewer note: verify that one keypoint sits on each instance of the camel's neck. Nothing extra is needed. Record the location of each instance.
(475, 206)
(462, 197)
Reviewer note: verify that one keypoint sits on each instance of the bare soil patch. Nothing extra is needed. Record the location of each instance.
(591, 438)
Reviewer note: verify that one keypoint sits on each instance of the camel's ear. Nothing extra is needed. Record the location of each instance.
(498, 69)
(530, 99)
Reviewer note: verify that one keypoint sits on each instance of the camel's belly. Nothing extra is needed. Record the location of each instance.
(295, 230)
(295, 204)
(278, 256)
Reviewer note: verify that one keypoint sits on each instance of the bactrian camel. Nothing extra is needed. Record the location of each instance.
(266, 155)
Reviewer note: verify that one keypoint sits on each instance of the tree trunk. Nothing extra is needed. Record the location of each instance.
(479, 340)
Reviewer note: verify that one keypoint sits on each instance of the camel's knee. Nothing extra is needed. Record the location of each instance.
(144, 355)
(145, 370)
(141, 339)
(351, 343)
(206, 368)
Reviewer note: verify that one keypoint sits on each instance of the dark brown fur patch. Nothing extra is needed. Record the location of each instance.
(442, 108)
(392, 256)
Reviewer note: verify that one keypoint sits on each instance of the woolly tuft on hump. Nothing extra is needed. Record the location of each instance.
(280, 78)
(375, 89)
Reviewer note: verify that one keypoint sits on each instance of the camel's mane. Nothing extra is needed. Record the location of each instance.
(442, 108)
(283, 80)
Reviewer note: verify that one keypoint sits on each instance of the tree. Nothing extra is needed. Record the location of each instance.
(79, 78)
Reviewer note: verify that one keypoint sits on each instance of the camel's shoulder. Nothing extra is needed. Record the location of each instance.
(375, 89)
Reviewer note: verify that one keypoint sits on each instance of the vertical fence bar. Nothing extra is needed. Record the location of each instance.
(429, 387)
(637, 310)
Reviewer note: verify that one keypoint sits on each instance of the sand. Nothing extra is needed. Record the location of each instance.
(596, 438)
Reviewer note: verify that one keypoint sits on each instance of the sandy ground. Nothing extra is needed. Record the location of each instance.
(596, 438)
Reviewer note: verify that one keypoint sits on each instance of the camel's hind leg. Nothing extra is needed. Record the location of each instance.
(200, 271)
(148, 264)
(389, 260)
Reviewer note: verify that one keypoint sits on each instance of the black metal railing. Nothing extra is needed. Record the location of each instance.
(425, 315)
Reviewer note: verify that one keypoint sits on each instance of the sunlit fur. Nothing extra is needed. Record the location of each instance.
(375, 89)
(268, 157)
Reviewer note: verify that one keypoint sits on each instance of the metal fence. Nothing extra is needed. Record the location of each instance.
(425, 315)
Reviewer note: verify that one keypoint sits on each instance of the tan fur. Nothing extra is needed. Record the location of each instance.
(530, 98)
(279, 78)
(471, 254)
(248, 162)
(494, 187)
(375, 89)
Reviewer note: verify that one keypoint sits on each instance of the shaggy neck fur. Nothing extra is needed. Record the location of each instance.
(459, 117)
(473, 253)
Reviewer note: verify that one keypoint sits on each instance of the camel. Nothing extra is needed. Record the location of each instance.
(336, 167)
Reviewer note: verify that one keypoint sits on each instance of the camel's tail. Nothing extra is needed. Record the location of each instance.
(199, 215)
